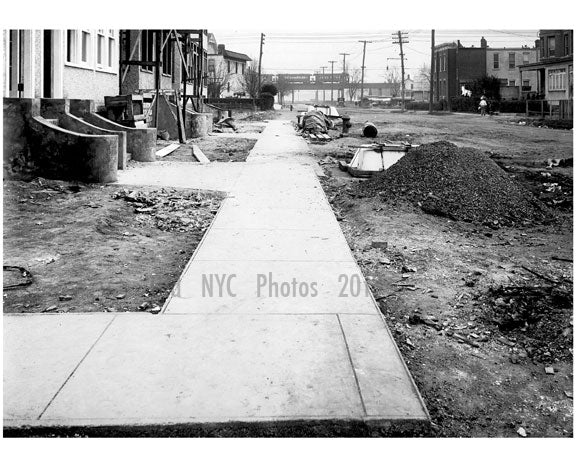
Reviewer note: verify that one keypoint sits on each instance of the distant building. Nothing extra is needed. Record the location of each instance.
(504, 63)
(456, 66)
(226, 67)
(555, 66)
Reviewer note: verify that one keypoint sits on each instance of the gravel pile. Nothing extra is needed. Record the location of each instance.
(458, 183)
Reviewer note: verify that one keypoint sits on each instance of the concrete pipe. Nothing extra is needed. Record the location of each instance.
(369, 130)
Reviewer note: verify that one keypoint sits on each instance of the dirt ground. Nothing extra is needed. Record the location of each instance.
(95, 248)
(476, 328)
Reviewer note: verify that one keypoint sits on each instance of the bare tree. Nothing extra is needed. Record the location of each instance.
(250, 80)
(354, 79)
(217, 79)
(395, 82)
(284, 87)
(424, 73)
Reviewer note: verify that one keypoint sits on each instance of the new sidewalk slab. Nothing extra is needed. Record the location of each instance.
(271, 321)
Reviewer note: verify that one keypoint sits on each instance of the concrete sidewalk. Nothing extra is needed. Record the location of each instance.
(293, 333)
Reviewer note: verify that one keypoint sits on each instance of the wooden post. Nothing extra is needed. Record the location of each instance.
(431, 97)
(542, 108)
(157, 73)
(180, 121)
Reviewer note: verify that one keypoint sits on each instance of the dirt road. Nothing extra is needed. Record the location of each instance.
(470, 306)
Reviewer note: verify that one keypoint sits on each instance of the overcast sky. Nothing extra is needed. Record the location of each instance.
(307, 52)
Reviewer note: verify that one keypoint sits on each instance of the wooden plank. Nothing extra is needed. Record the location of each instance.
(167, 150)
(180, 121)
(199, 155)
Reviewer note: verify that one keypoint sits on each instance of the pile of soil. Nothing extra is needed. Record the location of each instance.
(458, 183)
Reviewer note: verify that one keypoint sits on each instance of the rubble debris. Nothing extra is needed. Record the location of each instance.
(65, 298)
(457, 183)
(532, 317)
(379, 244)
(170, 211)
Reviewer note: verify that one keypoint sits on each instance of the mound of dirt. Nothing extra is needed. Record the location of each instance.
(458, 183)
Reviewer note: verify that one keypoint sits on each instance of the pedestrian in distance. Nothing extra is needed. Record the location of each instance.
(482, 106)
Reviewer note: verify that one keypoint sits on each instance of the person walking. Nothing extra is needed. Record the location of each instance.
(482, 106)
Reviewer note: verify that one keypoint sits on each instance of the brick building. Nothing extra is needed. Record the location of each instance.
(555, 67)
(456, 66)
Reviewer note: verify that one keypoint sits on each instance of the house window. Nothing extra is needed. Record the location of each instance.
(496, 61)
(85, 47)
(228, 62)
(511, 82)
(525, 82)
(511, 61)
(111, 50)
(526, 57)
(243, 68)
(211, 66)
(567, 44)
(557, 79)
(147, 49)
(551, 46)
(236, 67)
(100, 47)
(71, 45)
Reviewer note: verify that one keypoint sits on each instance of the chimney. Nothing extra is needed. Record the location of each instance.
(459, 44)
(221, 49)
(483, 43)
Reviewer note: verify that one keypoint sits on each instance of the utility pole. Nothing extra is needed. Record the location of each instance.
(431, 98)
(332, 81)
(343, 71)
(401, 40)
(363, 59)
(262, 36)
(323, 83)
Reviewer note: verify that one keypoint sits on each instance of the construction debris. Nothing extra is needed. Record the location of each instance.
(167, 150)
(199, 155)
(169, 210)
(458, 183)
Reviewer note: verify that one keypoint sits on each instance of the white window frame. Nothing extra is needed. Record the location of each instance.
(108, 61)
(557, 79)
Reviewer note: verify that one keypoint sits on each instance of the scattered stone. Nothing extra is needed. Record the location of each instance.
(144, 306)
(50, 309)
(522, 432)
(65, 298)
(385, 261)
(549, 370)
(381, 245)
(408, 269)
(569, 394)
(514, 359)
(120, 296)
(155, 309)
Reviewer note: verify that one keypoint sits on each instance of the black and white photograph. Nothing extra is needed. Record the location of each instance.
(257, 220)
